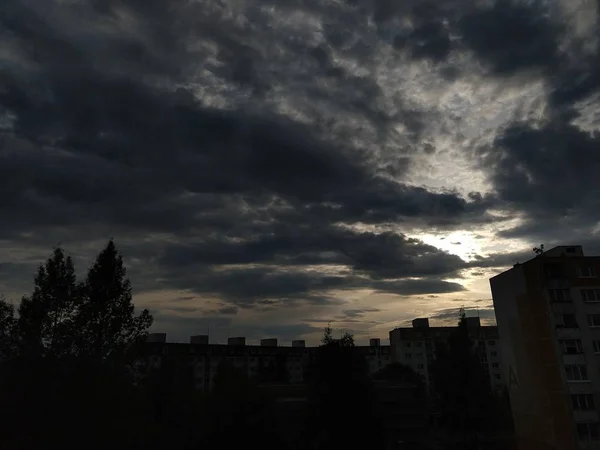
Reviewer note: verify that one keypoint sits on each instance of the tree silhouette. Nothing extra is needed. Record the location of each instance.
(539, 251)
(50, 378)
(45, 324)
(466, 401)
(341, 397)
(7, 330)
(241, 415)
(327, 335)
(106, 323)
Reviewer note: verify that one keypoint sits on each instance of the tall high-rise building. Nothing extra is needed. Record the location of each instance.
(548, 316)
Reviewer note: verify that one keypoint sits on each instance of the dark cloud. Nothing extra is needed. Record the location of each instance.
(359, 312)
(236, 154)
(429, 40)
(512, 36)
(484, 314)
(548, 174)
(227, 310)
(259, 287)
(484, 300)
(182, 309)
(386, 262)
(506, 259)
(383, 255)
(542, 169)
(145, 157)
(420, 286)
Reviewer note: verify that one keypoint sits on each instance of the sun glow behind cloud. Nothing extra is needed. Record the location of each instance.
(464, 244)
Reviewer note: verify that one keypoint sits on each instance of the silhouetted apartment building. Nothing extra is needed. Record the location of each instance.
(548, 315)
(415, 347)
(266, 363)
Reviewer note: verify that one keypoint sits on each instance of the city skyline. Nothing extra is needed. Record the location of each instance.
(269, 167)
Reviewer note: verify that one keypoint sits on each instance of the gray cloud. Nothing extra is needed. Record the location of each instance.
(259, 287)
(415, 287)
(359, 312)
(384, 255)
(511, 36)
(548, 174)
(485, 314)
(506, 259)
(428, 40)
(236, 153)
(227, 310)
(178, 155)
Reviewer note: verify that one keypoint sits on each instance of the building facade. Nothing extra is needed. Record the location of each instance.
(415, 347)
(548, 315)
(266, 363)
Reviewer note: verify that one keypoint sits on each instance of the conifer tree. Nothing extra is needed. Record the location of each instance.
(107, 324)
(45, 324)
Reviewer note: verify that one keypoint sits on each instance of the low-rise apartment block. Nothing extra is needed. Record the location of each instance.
(415, 347)
(267, 363)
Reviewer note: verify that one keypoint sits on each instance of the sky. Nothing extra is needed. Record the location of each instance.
(267, 167)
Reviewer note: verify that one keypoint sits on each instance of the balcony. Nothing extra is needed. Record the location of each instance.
(558, 283)
(563, 308)
(574, 359)
(568, 333)
(585, 415)
(579, 387)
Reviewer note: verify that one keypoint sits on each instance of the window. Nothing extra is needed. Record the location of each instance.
(418, 344)
(565, 320)
(407, 344)
(590, 295)
(583, 401)
(491, 343)
(420, 366)
(571, 346)
(586, 272)
(593, 320)
(494, 354)
(495, 366)
(588, 431)
(408, 355)
(576, 372)
(596, 346)
(559, 295)
(497, 376)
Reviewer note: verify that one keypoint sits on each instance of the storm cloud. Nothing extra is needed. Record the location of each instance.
(286, 155)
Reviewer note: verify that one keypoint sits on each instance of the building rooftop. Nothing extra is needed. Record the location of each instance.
(558, 252)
